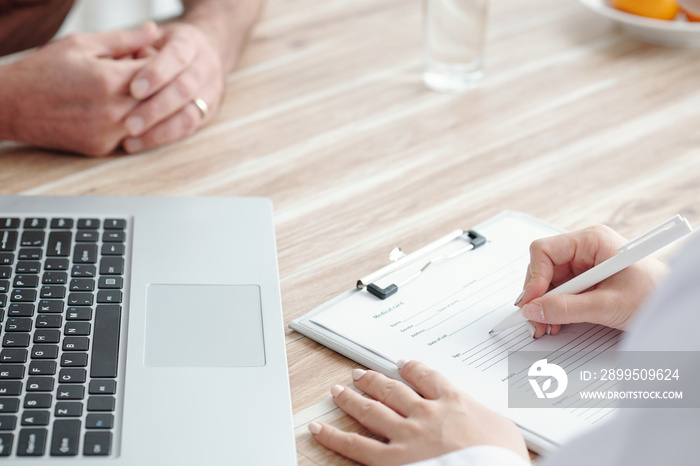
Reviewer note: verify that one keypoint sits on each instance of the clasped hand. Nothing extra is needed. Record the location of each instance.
(91, 93)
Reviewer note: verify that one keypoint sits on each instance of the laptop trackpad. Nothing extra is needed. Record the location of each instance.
(204, 326)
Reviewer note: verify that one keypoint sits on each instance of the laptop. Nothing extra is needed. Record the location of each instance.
(141, 330)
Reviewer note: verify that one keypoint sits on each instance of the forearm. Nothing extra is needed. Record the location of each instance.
(24, 25)
(8, 117)
(226, 23)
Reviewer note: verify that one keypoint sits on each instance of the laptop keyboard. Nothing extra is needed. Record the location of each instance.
(61, 293)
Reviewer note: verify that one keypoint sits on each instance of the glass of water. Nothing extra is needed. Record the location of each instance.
(453, 50)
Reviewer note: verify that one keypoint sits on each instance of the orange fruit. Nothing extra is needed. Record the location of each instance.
(691, 8)
(658, 9)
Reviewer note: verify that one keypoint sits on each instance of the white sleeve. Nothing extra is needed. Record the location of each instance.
(482, 455)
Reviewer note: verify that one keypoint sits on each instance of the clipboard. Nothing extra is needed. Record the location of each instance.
(409, 275)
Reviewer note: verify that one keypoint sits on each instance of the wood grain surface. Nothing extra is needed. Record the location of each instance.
(574, 123)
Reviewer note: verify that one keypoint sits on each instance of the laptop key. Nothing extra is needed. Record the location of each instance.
(20, 310)
(52, 292)
(88, 224)
(28, 267)
(65, 437)
(31, 442)
(87, 236)
(80, 299)
(68, 409)
(85, 254)
(18, 324)
(70, 392)
(40, 384)
(33, 238)
(99, 421)
(72, 375)
(11, 371)
(30, 254)
(38, 400)
(74, 359)
(79, 313)
(45, 352)
(84, 271)
(54, 278)
(34, 222)
(26, 281)
(113, 283)
(97, 444)
(76, 344)
(10, 388)
(61, 223)
(112, 265)
(49, 321)
(15, 340)
(105, 345)
(5, 272)
(8, 422)
(109, 296)
(50, 306)
(6, 258)
(9, 223)
(40, 367)
(35, 418)
(113, 237)
(77, 328)
(23, 295)
(8, 240)
(9, 405)
(13, 356)
(102, 387)
(59, 244)
(114, 224)
(82, 284)
(6, 441)
(56, 264)
(47, 336)
(101, 403)
(113, 249)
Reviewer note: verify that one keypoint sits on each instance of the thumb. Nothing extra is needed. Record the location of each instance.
(115, 44)
(566, 308)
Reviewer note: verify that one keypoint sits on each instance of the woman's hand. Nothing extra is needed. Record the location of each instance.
(613, 302)
(442, 420)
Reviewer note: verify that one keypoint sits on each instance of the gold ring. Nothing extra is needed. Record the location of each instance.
(202, 106)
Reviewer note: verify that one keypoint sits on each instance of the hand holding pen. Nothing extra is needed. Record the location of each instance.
(571, 279)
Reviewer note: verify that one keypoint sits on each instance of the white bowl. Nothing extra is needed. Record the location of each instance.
(676, 33)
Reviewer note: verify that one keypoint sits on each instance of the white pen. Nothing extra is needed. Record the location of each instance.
(637, 249)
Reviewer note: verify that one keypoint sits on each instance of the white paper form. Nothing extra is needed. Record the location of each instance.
(444, 316)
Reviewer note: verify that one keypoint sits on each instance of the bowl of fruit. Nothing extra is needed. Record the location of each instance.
(674, 23)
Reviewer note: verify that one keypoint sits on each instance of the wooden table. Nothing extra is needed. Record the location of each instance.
(574, 123)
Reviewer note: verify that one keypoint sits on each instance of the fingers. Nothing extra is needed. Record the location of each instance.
(392, 393)
(116, 44)
(429, 383)
(557, 259)
(174, 97)
(179, 126)
(539, 329)
(354, 446)
(567, 309)
(177, 54)
(372, 414)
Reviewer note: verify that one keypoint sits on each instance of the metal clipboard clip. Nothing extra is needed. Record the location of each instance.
(400, 260)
